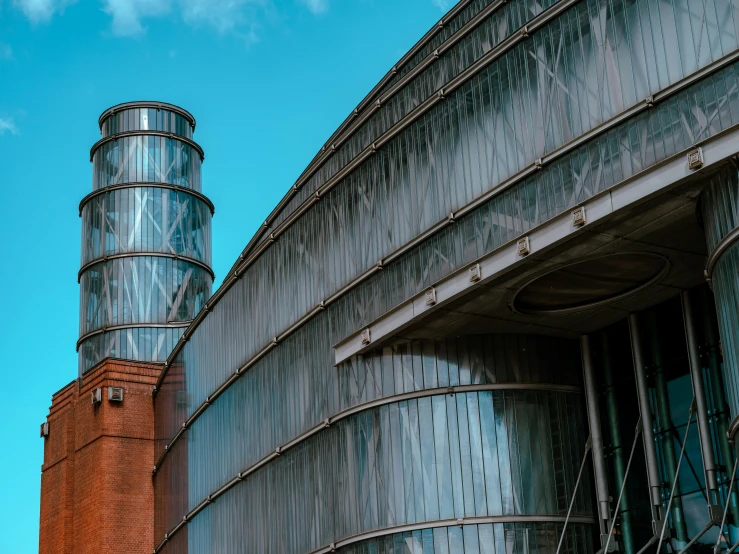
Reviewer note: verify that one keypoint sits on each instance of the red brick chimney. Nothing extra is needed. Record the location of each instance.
(96, 486)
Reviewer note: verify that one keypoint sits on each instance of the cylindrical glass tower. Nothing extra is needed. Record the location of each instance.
(146, 242)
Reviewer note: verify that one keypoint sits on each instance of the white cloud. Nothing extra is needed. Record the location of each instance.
(316, 6)
(7, 125)
(443, 5)
(127, 14)
(223, 15)
(128, 17)
(41, 10)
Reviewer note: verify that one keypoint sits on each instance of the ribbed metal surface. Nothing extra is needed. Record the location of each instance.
(584, 67)
(484, 452)
(720, 207)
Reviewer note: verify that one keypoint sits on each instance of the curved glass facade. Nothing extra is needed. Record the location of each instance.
(263, 445)
(485, 538)
(312, 267)
(146, 219)
(491, 451)
(147, 116)
(720, 208)
(146, 159)
(146, 250)
(587, 65)
(132, 343)
(441, 457)
(141, 289)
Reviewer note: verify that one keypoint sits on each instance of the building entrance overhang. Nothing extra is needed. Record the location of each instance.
(653, 215)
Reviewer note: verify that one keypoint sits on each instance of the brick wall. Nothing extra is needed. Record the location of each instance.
(96, 486)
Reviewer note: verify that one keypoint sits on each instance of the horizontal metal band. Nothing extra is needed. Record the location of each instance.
(435, 524)
(147, 184)
(242, 264)
(391, 133)
(146, 104)
(188, 259)
(423, 41)
(173, 325)
(352, 123)
(460, 79)
(557, 230)
(125, 134)
(478, 520)
(459, 389)
(718, 251)
(367, 109)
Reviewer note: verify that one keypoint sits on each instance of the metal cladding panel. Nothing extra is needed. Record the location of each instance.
(486, 450)
(473, 161)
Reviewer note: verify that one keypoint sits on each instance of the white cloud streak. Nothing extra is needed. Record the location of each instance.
(40, 11)
(316, 6)
(127, 14)
(128, 17)
(7, 125)
(222, 15)
(443, 5)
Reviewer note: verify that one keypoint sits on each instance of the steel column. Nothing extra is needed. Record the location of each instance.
(696, 374)
(596, 437)
(650, 450)
(619, 456)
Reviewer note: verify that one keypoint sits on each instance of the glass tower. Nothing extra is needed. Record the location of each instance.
(146, 238)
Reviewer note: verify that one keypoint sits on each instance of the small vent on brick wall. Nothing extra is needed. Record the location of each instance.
(97, 396)
(115, 394)
(45, 429)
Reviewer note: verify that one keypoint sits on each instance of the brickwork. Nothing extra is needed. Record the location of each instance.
(96, 487)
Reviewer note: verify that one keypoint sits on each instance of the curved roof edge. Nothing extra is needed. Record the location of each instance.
(366, 101)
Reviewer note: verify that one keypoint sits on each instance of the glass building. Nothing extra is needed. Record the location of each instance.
(497, 313)
(146, 243)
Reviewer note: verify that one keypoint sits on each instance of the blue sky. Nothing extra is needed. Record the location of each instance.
(268, 82)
